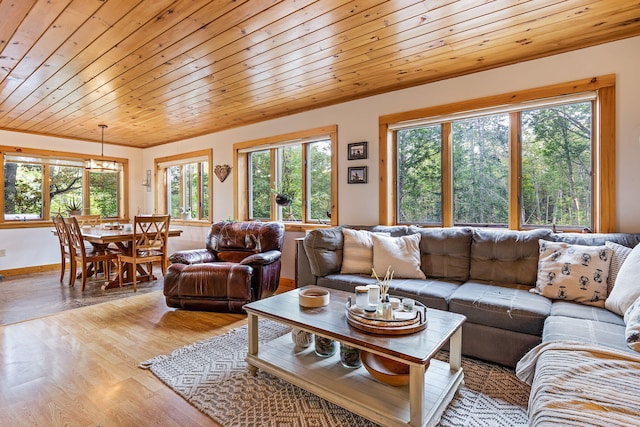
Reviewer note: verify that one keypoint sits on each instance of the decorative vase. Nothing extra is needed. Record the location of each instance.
(349, 356)
(325, 347)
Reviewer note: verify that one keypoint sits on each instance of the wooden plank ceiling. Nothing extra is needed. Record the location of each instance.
(157, 71)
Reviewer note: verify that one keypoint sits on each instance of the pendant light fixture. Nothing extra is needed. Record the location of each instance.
(102, 165)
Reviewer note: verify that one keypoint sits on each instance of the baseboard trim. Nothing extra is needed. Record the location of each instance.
(29, 270)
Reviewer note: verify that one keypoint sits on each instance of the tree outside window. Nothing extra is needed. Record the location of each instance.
(481, 171)
(289, 177)
(555, 157)
(23, 196)
(420, 175)
(185, 178)
(557, 165)
(39, 185)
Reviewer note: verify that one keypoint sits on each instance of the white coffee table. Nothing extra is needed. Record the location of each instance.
(432, 383)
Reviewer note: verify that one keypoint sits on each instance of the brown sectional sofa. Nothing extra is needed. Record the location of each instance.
(484, 274)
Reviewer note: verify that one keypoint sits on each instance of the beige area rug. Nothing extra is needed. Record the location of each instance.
(212, 376)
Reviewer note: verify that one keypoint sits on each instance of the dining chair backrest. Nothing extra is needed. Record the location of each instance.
(61, 232)
(65, 246)
(150, 234)
(88, 220)
(75, 235)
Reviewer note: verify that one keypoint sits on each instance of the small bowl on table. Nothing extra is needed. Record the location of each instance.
(313, 297)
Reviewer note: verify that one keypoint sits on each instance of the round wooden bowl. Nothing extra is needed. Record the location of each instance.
(313, 297)
(385, 370)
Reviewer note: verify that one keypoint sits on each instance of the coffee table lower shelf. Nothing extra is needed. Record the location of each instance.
(354, 389)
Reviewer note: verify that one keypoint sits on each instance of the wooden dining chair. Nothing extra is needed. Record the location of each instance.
(88, 220)
(65, 247)
(86, 256)
(150, 235)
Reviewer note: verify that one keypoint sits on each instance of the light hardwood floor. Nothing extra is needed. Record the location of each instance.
(80, 367)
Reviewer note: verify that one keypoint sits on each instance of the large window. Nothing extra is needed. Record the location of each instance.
(41, 184)
(544, 161)
(288, 178)
(185, 182)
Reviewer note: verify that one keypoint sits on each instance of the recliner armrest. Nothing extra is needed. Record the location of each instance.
(192, 256)
(263, 258)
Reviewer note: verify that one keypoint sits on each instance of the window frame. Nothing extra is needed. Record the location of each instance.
(603, 155)
(241, 171)
(123, 213)
(161, 164)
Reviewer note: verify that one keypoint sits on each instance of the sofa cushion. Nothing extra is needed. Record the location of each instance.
(400, 255)
(598, 239)
(357, 252)
(392, 230)
(324, 250)
(627, 287)
(573, 272)
(581, 311)
(511, 308)
(558, 328)
(505, 256)
(432, 293)
(445, 252)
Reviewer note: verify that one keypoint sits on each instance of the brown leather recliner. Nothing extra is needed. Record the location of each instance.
(241, 263)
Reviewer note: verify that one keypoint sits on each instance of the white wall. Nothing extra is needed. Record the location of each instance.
(358, 121)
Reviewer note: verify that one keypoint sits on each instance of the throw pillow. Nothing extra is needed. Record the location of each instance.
(402, 254)
(632, 330)
(357, 252)
(620, 253)
(573, 272)
(627, 287)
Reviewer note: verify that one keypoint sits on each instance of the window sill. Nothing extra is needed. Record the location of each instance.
(192, 222)
(302, 228)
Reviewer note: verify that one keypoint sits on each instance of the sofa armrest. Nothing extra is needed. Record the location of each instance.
(263, 258)
(192, 256)
(304, 276)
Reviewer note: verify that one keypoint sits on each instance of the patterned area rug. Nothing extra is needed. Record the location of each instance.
(212, 376)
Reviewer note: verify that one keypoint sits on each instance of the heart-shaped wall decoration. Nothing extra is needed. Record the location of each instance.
(222, 172)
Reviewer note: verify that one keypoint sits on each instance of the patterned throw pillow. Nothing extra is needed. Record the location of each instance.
(632, 320)
(573, 272)
(357, 251)
(401, 254)
(619, 255)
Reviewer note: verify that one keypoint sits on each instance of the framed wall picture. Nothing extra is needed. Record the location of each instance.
(357, 150)
(357, 175)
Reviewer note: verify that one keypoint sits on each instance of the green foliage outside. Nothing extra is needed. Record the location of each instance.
(420, 175)
(24, 197)
(320, 178)
(104, 194)
(557, 166)
(260, 177)
(290, 169)
(556, 158)
(481, 170)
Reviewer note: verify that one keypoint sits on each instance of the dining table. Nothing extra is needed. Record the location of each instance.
(120, 238)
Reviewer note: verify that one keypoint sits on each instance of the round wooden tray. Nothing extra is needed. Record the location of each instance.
(387, 327)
